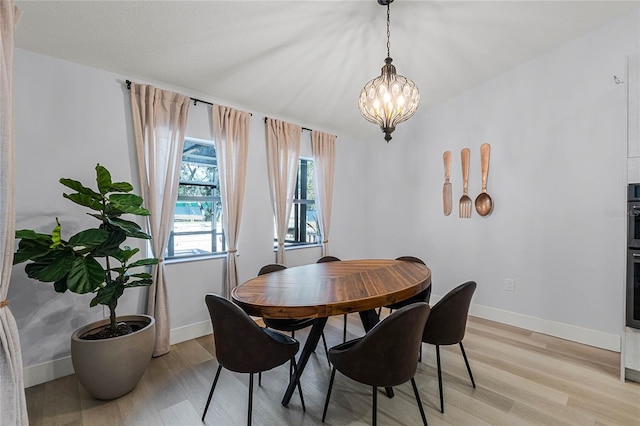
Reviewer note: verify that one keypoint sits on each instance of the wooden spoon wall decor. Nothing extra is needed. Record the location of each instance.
(484, 203)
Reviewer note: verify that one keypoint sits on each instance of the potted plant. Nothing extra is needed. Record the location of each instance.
(109, 356)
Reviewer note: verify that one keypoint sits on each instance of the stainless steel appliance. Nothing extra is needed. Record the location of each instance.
(633, 256)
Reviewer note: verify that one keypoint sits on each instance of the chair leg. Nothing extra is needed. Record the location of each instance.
(415, 390)
(326, 402)
(250, 399)
(420, 353)
(375, 406)
(326, 349)
(344, 332)
(260, 378)
(464, 355)
(295, 369)
(440, 379)
(206, 407)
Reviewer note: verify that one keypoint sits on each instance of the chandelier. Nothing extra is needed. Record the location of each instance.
(391, 98)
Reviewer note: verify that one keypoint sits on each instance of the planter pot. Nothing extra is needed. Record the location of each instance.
(112, 367)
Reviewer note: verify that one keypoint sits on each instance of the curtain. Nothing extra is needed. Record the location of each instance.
(231, 137)
(13, 405)
(159, 122)
(323, 147)
(283, 149)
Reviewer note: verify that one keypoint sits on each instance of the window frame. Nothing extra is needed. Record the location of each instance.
(170, 250)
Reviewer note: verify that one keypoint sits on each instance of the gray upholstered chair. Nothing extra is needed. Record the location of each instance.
(386, 356)
(244, 347)
(447, 324)
(289, 325)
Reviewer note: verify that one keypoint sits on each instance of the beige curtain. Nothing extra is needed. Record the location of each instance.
(231, 136)
(159, 122)
(323, 147)
(283, 151)
(13, 406)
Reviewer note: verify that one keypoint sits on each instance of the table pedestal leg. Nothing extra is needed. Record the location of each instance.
(369, 319)
(309, 347)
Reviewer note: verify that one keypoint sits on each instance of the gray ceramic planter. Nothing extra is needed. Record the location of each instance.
(110, 368)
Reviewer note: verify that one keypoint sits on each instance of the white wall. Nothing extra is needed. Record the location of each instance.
(557, 129)
(557, 175)
(70, 117)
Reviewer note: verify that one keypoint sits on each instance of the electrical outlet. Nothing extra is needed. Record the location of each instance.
(510, 284)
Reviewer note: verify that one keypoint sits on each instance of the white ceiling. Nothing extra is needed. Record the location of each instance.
(306, 61)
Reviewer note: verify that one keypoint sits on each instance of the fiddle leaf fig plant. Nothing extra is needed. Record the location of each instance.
(93, 260)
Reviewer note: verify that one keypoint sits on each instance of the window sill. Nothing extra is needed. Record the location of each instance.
(299, 246)
(195, 258)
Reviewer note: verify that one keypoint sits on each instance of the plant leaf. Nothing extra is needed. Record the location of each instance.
(128, 203)
(108, 294)
(89, 238)
(31, 249)
(84, 200)
(77, 186)
(103, 178)
(144, 262)
(131, 229)
(60, 286)
(121, 187)
(139, 283)
(85, 276)
(58, 265)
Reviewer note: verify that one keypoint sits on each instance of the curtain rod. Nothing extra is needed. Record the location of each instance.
(195, 100)
(303, 128)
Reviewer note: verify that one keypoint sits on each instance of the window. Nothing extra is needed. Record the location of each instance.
(197, 223)
(303, 222)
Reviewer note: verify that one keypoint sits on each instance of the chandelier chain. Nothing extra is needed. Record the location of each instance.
(388, 32)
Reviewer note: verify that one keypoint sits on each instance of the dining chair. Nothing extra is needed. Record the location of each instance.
(289, 325)
(423, 296)
(325, 259)
(386, 356)
(243, 346)
(447, 324)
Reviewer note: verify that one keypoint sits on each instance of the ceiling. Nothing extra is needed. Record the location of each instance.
(306, 61)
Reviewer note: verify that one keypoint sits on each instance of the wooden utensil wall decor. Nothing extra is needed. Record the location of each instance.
(465, 202)
(446, 189)
(484, 203)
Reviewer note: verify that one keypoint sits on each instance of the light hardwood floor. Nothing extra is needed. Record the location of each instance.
(522, 378)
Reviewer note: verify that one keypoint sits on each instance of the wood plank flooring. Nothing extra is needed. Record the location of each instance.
(522, 378)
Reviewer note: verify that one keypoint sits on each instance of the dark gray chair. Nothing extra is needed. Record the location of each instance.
(325, 259)
(244, 347)
(386, 356)
(289, 325)
(423, 296)
(447, 324)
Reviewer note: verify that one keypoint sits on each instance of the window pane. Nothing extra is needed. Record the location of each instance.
(303, 223)
(197, 225)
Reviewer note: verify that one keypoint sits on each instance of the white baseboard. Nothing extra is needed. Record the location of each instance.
(47, 371)
(51, 370)
(598, 339)
(188, 332)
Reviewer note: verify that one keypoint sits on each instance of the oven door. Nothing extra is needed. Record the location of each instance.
(633, 238)
(633, 289)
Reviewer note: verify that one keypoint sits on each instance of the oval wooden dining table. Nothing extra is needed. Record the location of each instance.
(320, 290)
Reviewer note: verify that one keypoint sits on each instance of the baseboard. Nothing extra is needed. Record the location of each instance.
(51, 370)
(632, 375)
(598, 339)
(47, 371)
(188, 332)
